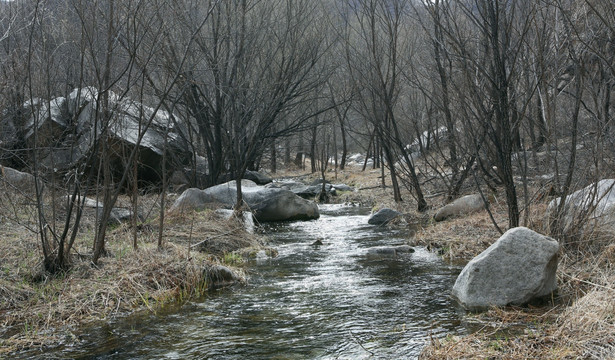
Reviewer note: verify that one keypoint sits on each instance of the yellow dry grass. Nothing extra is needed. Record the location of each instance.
(38, 309)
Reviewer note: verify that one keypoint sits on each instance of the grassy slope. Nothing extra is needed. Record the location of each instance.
(37, 309)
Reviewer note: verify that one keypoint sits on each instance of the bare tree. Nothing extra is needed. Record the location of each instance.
(486, 38)
(377, 49)
(254, 64)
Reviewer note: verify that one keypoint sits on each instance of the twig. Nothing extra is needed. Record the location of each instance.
(358, 342)
(588, 282)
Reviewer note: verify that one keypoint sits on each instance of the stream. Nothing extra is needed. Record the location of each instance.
(310, 302)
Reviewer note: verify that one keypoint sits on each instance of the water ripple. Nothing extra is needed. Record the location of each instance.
(324, 302)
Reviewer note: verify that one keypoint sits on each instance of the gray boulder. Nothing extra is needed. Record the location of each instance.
(49, 119)
(9, 135)
(462, 206)
(318, 181)
(267, 204)
(312, 191)
(255, 176)
(18, 180)
(594, 202)
(303, 190)
(383, 216)
(342, 187)
(519, 267)
(378, 253)
(196, 175)
(118, 215)
(193, 199)
(288, 185)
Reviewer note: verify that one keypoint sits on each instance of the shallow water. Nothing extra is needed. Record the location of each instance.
(310, 302)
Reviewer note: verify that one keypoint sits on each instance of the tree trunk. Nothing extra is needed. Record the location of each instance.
(274, 165)
(450, 124)
(313, 149)
(99, 241)
(391, 161)
(287, 152)
(344, 145)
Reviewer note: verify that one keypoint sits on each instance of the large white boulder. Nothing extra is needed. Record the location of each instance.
(519, 267)
(66, 130)
(594, 202)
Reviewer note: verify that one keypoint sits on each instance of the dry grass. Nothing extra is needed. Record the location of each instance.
(120, 284)
(584, 330)
(38, 309)
(462, 238)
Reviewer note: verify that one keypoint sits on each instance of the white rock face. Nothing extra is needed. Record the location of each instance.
(519, 267)
(69, 127)
(594, 202)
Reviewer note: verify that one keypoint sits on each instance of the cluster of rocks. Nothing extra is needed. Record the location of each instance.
(265, 203)
(463, 206)
(520, 267)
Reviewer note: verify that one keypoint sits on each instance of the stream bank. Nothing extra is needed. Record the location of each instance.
(309, 302)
